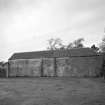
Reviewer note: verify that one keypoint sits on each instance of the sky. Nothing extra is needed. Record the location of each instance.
(27, 25)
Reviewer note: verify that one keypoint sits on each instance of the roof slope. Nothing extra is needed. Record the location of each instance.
(76, 52)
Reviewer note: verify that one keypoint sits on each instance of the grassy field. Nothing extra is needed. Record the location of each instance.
(52, 91)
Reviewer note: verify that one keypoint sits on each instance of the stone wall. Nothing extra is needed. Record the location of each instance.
(48, 67)
(66, 66)
(25, 67)
(79, 66)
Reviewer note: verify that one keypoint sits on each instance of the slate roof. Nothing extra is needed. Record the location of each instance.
(76, 52)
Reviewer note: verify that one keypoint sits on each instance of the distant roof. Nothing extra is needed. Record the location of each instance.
(75, 52)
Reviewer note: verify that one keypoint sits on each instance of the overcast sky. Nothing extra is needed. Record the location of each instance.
(26, 25)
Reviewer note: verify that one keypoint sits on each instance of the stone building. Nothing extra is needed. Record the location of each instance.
(3, 69)
(77, 62)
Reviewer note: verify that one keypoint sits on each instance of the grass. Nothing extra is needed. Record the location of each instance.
(52, 91)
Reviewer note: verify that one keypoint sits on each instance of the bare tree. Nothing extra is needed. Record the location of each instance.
(69, 46)
(78, 43)
(54, 44)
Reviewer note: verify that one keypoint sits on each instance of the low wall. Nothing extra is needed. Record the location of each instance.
(66, 66)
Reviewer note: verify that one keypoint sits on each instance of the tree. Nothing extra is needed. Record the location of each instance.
(54, 44)
(102, 45)
(69, 46)
(94, 48)
(78, 43)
